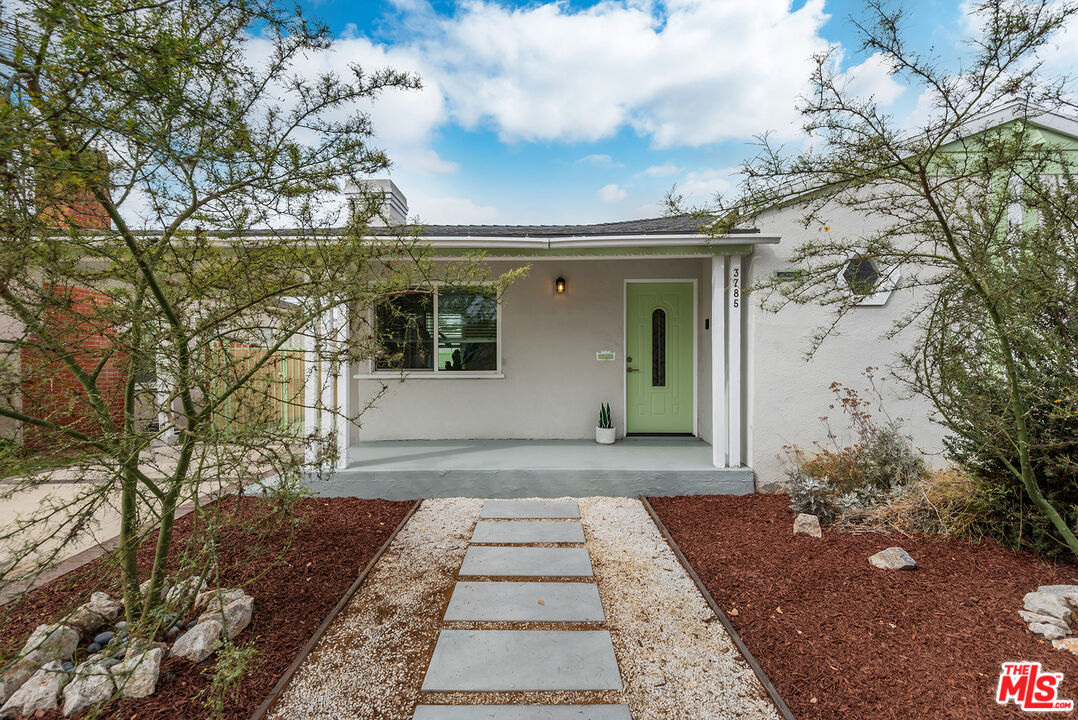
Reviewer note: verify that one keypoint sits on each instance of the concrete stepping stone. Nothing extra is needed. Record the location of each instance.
(530, 509)
(520, 660)
(522, 712)
(525, 602)
(526, 562)
(527, 531)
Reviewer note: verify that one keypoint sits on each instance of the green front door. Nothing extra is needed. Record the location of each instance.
(658, 357)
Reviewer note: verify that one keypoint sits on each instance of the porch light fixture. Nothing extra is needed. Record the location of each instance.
(559, 285)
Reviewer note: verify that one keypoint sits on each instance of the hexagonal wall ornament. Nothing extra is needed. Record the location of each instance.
(869, 280)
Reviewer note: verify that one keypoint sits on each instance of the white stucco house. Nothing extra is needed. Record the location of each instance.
(501, 398)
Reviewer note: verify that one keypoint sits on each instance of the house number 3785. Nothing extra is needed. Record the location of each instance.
(735, 287)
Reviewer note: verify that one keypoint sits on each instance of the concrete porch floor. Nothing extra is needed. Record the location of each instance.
(532, 468)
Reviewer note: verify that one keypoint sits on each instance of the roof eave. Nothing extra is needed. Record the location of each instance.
(597, 241)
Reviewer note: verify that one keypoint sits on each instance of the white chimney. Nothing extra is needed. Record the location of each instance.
(385, 198)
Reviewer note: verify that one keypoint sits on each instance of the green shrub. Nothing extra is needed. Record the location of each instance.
(1009, 516)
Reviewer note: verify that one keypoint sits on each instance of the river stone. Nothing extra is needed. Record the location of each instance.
(237, 615)
(893, 558)
(1047, 631)
(199, 642)
(805, 524)
(136, 676)
(1044, 603)
(1031, 617)
(1067, 592)
(104, 606)
(91, 684)
(217, 599)
(40, 692)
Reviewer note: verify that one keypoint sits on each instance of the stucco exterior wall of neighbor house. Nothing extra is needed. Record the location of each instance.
(787, 394)
(552, 384)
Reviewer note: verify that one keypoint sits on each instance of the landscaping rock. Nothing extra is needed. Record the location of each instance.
(805, 524)
(104, 606)
(893, 558)
(1031, 617)
(93, 648)
(184, 591)
(18, 673)
(91, 684)
(236, 615)
(40, 692)
(1047, 631)
(104, 638)
(1068, 644)
(217, 599)
(85, 620)
(1067, 592)
(199, 642)
(51, 642)
(1044, 603)
(136, 676)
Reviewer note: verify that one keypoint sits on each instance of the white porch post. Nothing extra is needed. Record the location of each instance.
(326, 384)
(311, 391)
(734, 362)
(718, 361)
(344, 336)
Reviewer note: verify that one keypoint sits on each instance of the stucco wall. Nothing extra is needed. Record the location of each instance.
(787, 394)
(553, 384)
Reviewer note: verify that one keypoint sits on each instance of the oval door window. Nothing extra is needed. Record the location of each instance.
(658, 348)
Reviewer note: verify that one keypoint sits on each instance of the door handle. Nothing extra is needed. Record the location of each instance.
(629, 370)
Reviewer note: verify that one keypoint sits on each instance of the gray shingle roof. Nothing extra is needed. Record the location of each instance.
(678, 225)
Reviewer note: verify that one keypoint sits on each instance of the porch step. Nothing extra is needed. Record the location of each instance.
(522, 712)
(493, 561)
(522, 660)
(412, 484)
(525, 602)
(526, 531)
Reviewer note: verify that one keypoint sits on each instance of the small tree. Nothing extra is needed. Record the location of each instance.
(983, 221)
(141, 149)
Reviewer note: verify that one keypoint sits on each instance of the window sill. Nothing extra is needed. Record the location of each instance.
(430, 376)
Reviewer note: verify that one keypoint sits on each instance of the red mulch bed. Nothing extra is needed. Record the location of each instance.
(842, 639)
(310, 566)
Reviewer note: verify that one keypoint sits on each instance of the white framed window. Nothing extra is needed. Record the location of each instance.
(869, 281)
(453, 332)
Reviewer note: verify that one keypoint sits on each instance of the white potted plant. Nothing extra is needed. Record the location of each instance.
(604, 432)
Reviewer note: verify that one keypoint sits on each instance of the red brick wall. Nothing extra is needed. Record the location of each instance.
(52, 391)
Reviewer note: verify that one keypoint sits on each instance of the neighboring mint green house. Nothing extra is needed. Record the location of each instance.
(650, 316)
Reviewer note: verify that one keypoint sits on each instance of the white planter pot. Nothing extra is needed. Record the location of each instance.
(605, 436)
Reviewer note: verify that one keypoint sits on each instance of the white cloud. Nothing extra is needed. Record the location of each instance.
(665, 170)
(612, 193)
(686, 73)
(872, 78)
(703, 186)
(599, 160)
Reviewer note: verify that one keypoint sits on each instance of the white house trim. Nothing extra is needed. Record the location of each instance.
(718, 361)
(735, 301)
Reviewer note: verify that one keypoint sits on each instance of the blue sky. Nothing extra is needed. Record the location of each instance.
(544, 112)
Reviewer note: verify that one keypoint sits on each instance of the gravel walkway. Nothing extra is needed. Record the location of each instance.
(675, 659)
